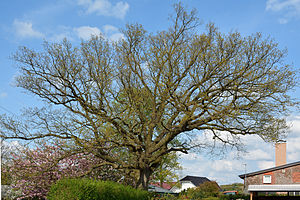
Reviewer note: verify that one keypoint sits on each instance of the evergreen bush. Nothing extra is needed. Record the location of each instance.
(235, 197)
(86, 189)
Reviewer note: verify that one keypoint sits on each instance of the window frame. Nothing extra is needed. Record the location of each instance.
(267, 179)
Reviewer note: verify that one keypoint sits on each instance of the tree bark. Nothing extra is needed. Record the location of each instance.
(144, 178)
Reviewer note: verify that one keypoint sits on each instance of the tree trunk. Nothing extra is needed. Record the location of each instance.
(144, 178)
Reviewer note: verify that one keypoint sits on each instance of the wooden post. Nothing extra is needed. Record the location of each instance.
(255, 195)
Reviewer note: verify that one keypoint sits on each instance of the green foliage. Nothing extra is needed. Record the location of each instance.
(211, 198)
(166, 170)
(234, 197)
(86, 189)
(165, 197)
(235, 186)
(205, 190)
(187, 196)
(5, 178)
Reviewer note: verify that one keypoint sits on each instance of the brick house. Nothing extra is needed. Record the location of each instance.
(283, 174)
(283, 178)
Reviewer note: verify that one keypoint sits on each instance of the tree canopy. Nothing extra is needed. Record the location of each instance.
(141, 93)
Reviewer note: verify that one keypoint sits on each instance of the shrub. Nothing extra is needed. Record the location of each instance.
(207, 189)
(234, 197)
(86, 189)
(211, 198)
(34, 170)
(165, 197)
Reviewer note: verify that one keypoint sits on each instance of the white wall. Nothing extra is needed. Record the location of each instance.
(184, 185)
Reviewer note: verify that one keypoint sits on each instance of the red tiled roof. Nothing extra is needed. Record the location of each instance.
(164, 185)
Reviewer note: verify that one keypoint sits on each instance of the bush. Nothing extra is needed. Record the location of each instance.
(211, 198)
(234, 197)
(86, 189)
(165, 197)
(205, 190)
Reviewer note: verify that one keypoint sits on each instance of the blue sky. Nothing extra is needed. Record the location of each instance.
(31, 22)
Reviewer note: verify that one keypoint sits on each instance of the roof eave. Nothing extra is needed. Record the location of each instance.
(242, 176)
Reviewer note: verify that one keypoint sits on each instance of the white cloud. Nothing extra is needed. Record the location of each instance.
(222, 165)
(258, 154)
(189, 156)
(293, 149)
(293, 140)
(110, 29)
(25, 30)
(195, 169)
(113, 33)
(295, 126)
(287, 8)
(278, 5)
(293, 145)
(223, 171)
(117, 36)
(293, 156)
(105, 8)
(266, 164)
(193, 164)
(85, 32)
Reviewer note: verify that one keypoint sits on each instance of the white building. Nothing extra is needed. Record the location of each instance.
(189, 182)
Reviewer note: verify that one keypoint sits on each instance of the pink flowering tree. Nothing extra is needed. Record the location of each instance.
(34, 170)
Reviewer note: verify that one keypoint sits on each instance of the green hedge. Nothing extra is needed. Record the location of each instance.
(86, 189)
(234, 197)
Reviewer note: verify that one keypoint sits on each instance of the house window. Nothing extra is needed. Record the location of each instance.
(267, 179)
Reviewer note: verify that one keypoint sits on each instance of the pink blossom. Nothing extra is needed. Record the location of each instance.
(34, 170)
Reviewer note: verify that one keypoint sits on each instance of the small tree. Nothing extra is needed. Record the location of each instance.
(239, 187)
(33, 171)
(166, 172)
(207, 189)
(5, 162)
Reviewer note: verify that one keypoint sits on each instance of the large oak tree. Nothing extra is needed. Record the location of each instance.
(138, 95)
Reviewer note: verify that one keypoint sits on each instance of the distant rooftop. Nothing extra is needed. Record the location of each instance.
(196, 180)
(164, 185)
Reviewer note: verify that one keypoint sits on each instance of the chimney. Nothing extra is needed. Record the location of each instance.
(280, 153)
